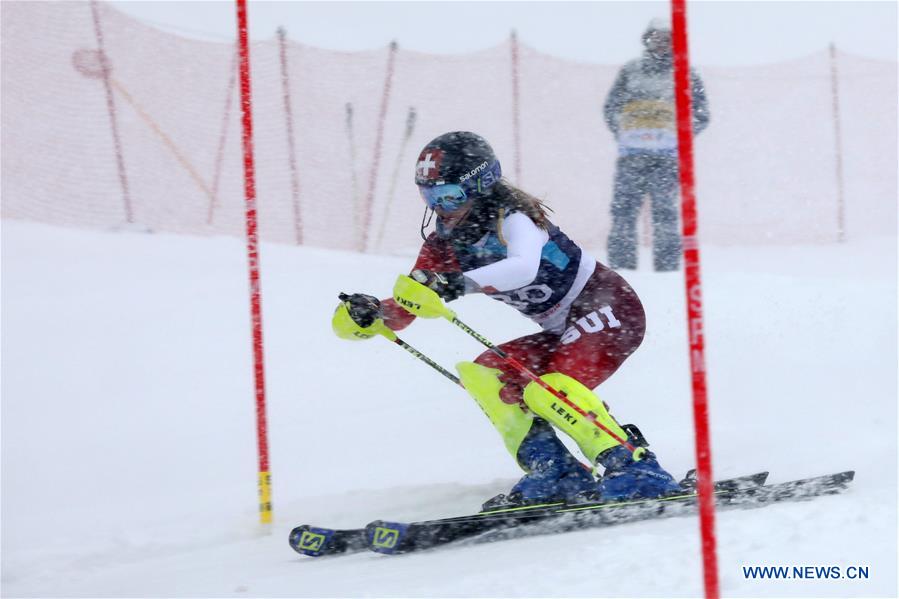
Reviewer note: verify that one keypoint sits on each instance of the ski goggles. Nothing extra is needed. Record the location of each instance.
(449, 197)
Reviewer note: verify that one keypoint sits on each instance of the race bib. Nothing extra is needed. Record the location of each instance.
(647, 139)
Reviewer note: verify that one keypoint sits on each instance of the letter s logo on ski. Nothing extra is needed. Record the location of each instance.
(385, 538)
(311, 541)
(591, 323)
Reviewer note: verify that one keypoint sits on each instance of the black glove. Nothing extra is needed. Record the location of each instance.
(448, 285)
(363, 309)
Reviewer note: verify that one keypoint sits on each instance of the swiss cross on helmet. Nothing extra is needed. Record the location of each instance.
(460, 158)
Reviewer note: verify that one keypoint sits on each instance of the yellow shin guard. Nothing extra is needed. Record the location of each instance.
(590, 438)
(510, 420)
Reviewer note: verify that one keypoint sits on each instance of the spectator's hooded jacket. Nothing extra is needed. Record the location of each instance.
(640, 107)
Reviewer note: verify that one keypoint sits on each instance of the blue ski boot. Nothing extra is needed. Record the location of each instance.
(625, 478)
(553, 474)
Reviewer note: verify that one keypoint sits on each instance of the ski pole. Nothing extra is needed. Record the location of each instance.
(423, 301)
(426, 360)
(379, 328)
(351, 138)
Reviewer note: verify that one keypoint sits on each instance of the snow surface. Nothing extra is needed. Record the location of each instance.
(129, 449)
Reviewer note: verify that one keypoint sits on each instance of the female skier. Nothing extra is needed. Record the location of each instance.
(495, 239)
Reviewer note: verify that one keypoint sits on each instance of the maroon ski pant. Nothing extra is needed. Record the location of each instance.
(605, 325)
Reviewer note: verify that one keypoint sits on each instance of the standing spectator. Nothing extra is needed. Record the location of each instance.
(640, 112)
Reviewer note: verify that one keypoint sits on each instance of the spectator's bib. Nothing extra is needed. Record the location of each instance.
(647, 125)
(647, 139)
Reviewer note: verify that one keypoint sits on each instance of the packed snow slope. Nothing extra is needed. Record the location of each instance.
(129, 441)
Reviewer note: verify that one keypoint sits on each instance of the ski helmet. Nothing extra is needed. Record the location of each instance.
(453, 171)
(460, 158)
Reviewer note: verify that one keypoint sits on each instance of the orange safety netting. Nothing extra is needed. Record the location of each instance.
(766, 166)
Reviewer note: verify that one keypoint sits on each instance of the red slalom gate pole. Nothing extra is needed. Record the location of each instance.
(264, 480)
(113, 115)
(379, 140)
(683, 100)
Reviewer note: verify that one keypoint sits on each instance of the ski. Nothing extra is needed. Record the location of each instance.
(315, 541)
(397, 537)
